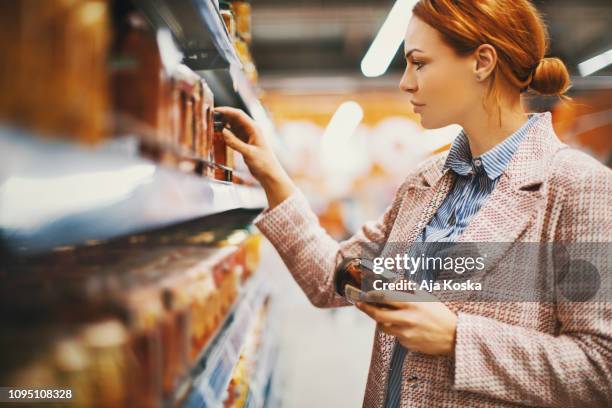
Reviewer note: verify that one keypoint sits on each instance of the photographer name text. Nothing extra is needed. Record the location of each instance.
(427, 285)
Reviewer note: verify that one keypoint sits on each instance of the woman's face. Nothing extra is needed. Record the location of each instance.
(436, 78)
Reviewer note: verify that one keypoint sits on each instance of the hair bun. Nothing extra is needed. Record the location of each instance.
(550, 77)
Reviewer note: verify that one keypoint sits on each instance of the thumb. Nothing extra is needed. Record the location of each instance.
(235, 143)
(421, 295)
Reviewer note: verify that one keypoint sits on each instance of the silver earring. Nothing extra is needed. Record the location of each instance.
(478, 77)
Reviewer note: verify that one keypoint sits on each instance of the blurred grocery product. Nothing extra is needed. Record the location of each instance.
(54, 75)
(147, 316)
(242, 15)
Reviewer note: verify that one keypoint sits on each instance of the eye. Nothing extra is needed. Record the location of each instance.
(418, 64)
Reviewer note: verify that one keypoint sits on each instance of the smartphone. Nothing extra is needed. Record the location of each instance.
(354, 294)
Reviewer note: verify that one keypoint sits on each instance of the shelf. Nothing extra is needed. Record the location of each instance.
(197, 28)
(59, 193)
(215, 342)
(265, 365)
(200, 33)
(213, 374)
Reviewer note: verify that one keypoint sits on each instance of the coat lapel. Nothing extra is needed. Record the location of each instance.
(502, 219)
(513, 205)
(423, 197)
(505, 216)
(509, 211)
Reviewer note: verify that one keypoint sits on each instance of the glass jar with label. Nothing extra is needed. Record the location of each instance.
(225, 9)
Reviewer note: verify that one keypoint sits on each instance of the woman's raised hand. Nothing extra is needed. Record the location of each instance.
(246, 137)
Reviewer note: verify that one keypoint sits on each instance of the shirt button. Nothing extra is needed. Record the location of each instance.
(477, 162)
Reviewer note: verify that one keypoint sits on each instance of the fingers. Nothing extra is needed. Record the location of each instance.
(409, 302)
(233, 115)
(235, 143)
(383, 316)
(399, 299)
(393, 299)
(423, 296)
(240, 123)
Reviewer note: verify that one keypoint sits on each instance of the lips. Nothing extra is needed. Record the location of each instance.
(417, 107)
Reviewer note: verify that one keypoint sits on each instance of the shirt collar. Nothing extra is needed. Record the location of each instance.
(494, 161)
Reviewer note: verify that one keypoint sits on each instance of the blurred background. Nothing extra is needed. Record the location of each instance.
(119, 199)
(315, 67)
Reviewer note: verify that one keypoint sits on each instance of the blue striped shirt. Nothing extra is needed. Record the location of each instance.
(475, 180)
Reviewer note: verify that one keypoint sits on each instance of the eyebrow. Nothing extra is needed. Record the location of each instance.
(411, 51)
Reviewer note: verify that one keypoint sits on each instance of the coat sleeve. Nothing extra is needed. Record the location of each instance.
(310, 254)
(572, 368)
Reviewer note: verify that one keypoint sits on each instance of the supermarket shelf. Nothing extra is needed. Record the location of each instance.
(213, 374)
(201, 35)
(185, 387)
(198, 29)
(60, 193)
(259, 386)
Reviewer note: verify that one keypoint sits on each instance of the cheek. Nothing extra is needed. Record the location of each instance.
(444, 86)
(447, 94)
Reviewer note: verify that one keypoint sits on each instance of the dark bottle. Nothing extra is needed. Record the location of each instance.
(222, 154)
(355, 276)
(348, 279)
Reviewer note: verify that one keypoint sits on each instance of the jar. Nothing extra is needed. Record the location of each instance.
(146, 346)
(225, 9)
(106, 344)
(222, 154)
(186, 81)
(54, 67)
(73, 365)
(198, 118)
(242, 14)
(208, 106)
(141, 89)
(355, 276)
(244, 54)
(348, 279)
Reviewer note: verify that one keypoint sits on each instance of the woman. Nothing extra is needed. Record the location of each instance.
(507, 178)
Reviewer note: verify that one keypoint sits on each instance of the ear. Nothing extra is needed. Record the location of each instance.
(485, 59)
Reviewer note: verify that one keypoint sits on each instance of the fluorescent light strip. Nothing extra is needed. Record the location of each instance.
(596, 63)
(388, 40)
(344, 122)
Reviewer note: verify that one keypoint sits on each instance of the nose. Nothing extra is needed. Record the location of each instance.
(408, 83)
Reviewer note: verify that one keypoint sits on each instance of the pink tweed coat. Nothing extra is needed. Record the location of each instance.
(506, 354)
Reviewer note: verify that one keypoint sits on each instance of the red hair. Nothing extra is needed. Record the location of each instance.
(514, 28)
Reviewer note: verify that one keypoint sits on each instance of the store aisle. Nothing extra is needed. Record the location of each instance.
(324, 354)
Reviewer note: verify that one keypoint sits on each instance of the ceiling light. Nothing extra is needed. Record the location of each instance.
(388, 40)
(596, 63)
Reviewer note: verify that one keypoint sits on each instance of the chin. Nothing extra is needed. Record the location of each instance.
(429, 123)
(426, 123)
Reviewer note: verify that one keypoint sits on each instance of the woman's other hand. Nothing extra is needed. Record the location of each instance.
(245, 136)
(420, 322)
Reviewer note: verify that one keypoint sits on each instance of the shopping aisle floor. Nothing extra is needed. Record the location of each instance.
(324, 354)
